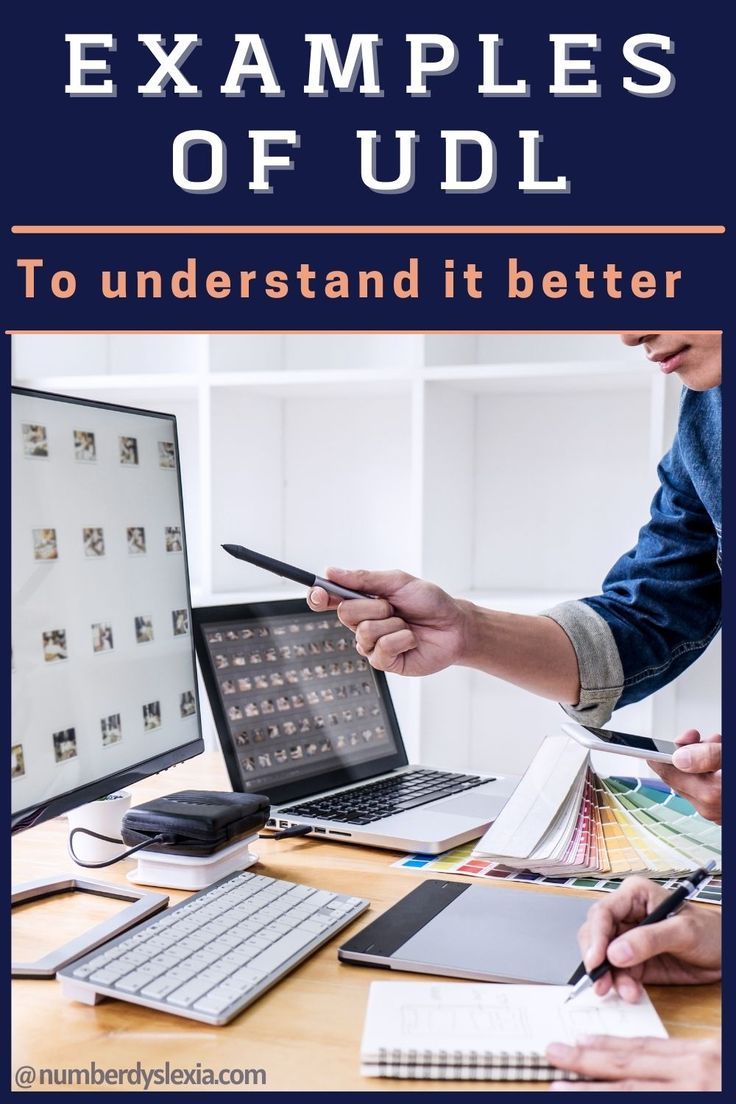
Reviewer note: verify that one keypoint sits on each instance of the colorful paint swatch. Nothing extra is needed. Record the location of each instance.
(668, 816)
(564, 820)
(457, 862)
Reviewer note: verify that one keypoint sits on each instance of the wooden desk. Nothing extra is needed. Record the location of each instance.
(305, 1032)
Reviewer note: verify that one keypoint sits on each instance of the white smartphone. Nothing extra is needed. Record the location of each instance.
(622, 743)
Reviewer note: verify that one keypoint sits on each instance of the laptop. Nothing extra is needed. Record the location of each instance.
(303, 718)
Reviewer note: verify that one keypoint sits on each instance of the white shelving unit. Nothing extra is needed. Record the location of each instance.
(511, 469)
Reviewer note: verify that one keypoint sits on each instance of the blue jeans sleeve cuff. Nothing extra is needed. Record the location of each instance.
(599, 663)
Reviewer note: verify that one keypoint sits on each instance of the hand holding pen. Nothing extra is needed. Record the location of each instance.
(291, 572)
(644, 934)
(401, 624)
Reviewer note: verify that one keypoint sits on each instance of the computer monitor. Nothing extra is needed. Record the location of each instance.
(104, 688)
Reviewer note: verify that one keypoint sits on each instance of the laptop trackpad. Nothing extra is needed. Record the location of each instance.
(503, 933)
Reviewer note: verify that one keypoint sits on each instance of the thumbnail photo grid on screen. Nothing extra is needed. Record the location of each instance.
(93, 541)
(58, 646)
(297, 697)
(84, 447)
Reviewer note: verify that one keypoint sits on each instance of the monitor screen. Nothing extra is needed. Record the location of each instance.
(103, 676)
(296, 708)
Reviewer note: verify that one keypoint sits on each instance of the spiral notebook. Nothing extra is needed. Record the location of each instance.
(485, 1032)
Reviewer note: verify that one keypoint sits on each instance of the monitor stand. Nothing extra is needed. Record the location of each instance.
(145, 904)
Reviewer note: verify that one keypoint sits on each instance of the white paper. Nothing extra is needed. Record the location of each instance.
(478, 1019)
(536, 804)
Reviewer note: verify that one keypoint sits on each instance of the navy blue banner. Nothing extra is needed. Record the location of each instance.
(408, 281)
(616, 121)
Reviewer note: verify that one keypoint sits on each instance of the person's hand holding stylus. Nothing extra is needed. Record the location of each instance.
(408, 626)
(411, 627)
(684, 949)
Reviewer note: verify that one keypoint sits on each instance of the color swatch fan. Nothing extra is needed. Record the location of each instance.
(564, 819)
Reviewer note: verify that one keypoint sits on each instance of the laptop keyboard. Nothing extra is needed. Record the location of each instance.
(387, 796)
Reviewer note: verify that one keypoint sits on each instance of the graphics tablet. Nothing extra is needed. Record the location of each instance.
(487, 933)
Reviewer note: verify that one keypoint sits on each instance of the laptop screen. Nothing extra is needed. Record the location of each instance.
(297, 710)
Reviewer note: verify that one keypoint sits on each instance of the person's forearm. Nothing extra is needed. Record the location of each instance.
(531, 652)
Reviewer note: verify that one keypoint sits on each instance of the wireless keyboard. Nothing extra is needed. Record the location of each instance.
(215, 953)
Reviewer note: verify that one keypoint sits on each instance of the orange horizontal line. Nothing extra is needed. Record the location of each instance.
(641, 333)
(367, 229)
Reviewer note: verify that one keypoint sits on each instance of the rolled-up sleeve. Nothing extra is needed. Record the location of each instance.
(659, 606)
(599, 663)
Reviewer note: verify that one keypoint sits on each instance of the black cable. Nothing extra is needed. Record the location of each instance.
(109, 839)
(287, 833)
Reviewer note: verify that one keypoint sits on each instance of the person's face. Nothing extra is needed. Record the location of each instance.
(695, 358)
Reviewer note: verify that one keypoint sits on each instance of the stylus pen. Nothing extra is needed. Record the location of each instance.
(669, 906)
(287, 571)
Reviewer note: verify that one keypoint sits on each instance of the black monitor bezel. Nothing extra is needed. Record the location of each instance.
(204, 616)
(102, 787)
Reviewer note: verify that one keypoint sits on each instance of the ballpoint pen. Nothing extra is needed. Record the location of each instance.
(666, 908)
(288, 571)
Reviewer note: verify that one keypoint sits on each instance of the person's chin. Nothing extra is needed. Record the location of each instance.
(699, 378)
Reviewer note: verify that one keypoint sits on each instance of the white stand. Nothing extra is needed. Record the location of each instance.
(190, 871)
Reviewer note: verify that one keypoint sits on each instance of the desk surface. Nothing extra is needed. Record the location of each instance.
(305, 1033)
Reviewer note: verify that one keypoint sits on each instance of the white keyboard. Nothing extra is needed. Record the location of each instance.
(212, 955)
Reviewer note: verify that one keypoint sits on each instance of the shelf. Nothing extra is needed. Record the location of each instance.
(540, 377)
(388, 379)
(316, 382)
(121, 388)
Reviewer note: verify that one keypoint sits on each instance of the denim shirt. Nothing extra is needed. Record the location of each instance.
(660, 604)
